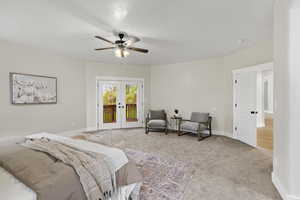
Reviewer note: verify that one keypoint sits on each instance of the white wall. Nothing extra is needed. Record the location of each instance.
(286, 173)
(94, 69)
(294, 100)
(281, 100)
(205, 85)
(67, 114)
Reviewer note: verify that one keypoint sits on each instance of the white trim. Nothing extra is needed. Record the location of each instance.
(269, 78)
(259, 100)
(223, 133)
(282, 191)
(97, 103)
(257, 68)
(234, 134)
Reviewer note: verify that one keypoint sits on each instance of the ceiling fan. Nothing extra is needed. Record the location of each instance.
(122, 45)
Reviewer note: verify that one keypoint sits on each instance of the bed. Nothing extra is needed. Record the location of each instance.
(35, 175)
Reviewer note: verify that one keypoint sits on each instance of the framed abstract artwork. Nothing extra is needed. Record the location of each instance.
(32, 89)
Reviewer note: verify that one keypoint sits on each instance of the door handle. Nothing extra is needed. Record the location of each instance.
(254, 112)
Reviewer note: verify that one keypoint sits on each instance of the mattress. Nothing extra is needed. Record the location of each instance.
(12, 189)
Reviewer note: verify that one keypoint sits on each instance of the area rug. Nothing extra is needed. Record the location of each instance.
(164, 178)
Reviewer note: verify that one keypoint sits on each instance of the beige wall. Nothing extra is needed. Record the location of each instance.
(204, 85)
(193, 86)
(67, 114)
(258, 54)
(281, 161)
(94, 69)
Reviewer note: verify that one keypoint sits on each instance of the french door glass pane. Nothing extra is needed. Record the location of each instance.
(131, 102)
(109, 103)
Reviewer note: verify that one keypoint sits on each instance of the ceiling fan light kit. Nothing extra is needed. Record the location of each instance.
(121, 53)
(122, 46)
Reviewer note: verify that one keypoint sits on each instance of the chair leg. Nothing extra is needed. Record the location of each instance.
(179, 132)
(166, 131)
(146, 130)
(182, 133)
(200, 137)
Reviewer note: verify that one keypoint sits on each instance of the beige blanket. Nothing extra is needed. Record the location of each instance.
(50, 178)
(95, 172)
(116, 156)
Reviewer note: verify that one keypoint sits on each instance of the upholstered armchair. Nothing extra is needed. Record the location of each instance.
(198, 123)
(156, 120)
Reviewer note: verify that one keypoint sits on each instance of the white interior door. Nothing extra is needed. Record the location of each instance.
(120, 104)
(109, 104)
(245, 113)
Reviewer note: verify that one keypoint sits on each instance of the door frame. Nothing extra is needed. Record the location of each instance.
(119, 78)
(259, 69)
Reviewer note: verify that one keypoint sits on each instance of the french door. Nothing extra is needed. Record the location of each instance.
(120, 104)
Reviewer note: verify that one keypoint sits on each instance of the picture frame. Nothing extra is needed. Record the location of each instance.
(30, 89)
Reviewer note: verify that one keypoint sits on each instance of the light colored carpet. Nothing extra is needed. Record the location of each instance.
(226, 169)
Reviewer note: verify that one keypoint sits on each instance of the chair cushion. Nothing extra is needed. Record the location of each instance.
(157, 114)
(192, 126)
(199, 117)
(158, 123)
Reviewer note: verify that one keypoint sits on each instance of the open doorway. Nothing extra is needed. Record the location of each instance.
(253, 105)
(265, 132)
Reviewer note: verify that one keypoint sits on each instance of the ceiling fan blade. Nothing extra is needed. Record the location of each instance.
(138, 49)
(131, 40)
(101, 38)
(104, 48)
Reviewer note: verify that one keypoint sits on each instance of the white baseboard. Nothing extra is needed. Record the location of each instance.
(222, 133)
(216, 132)
(282, 191)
